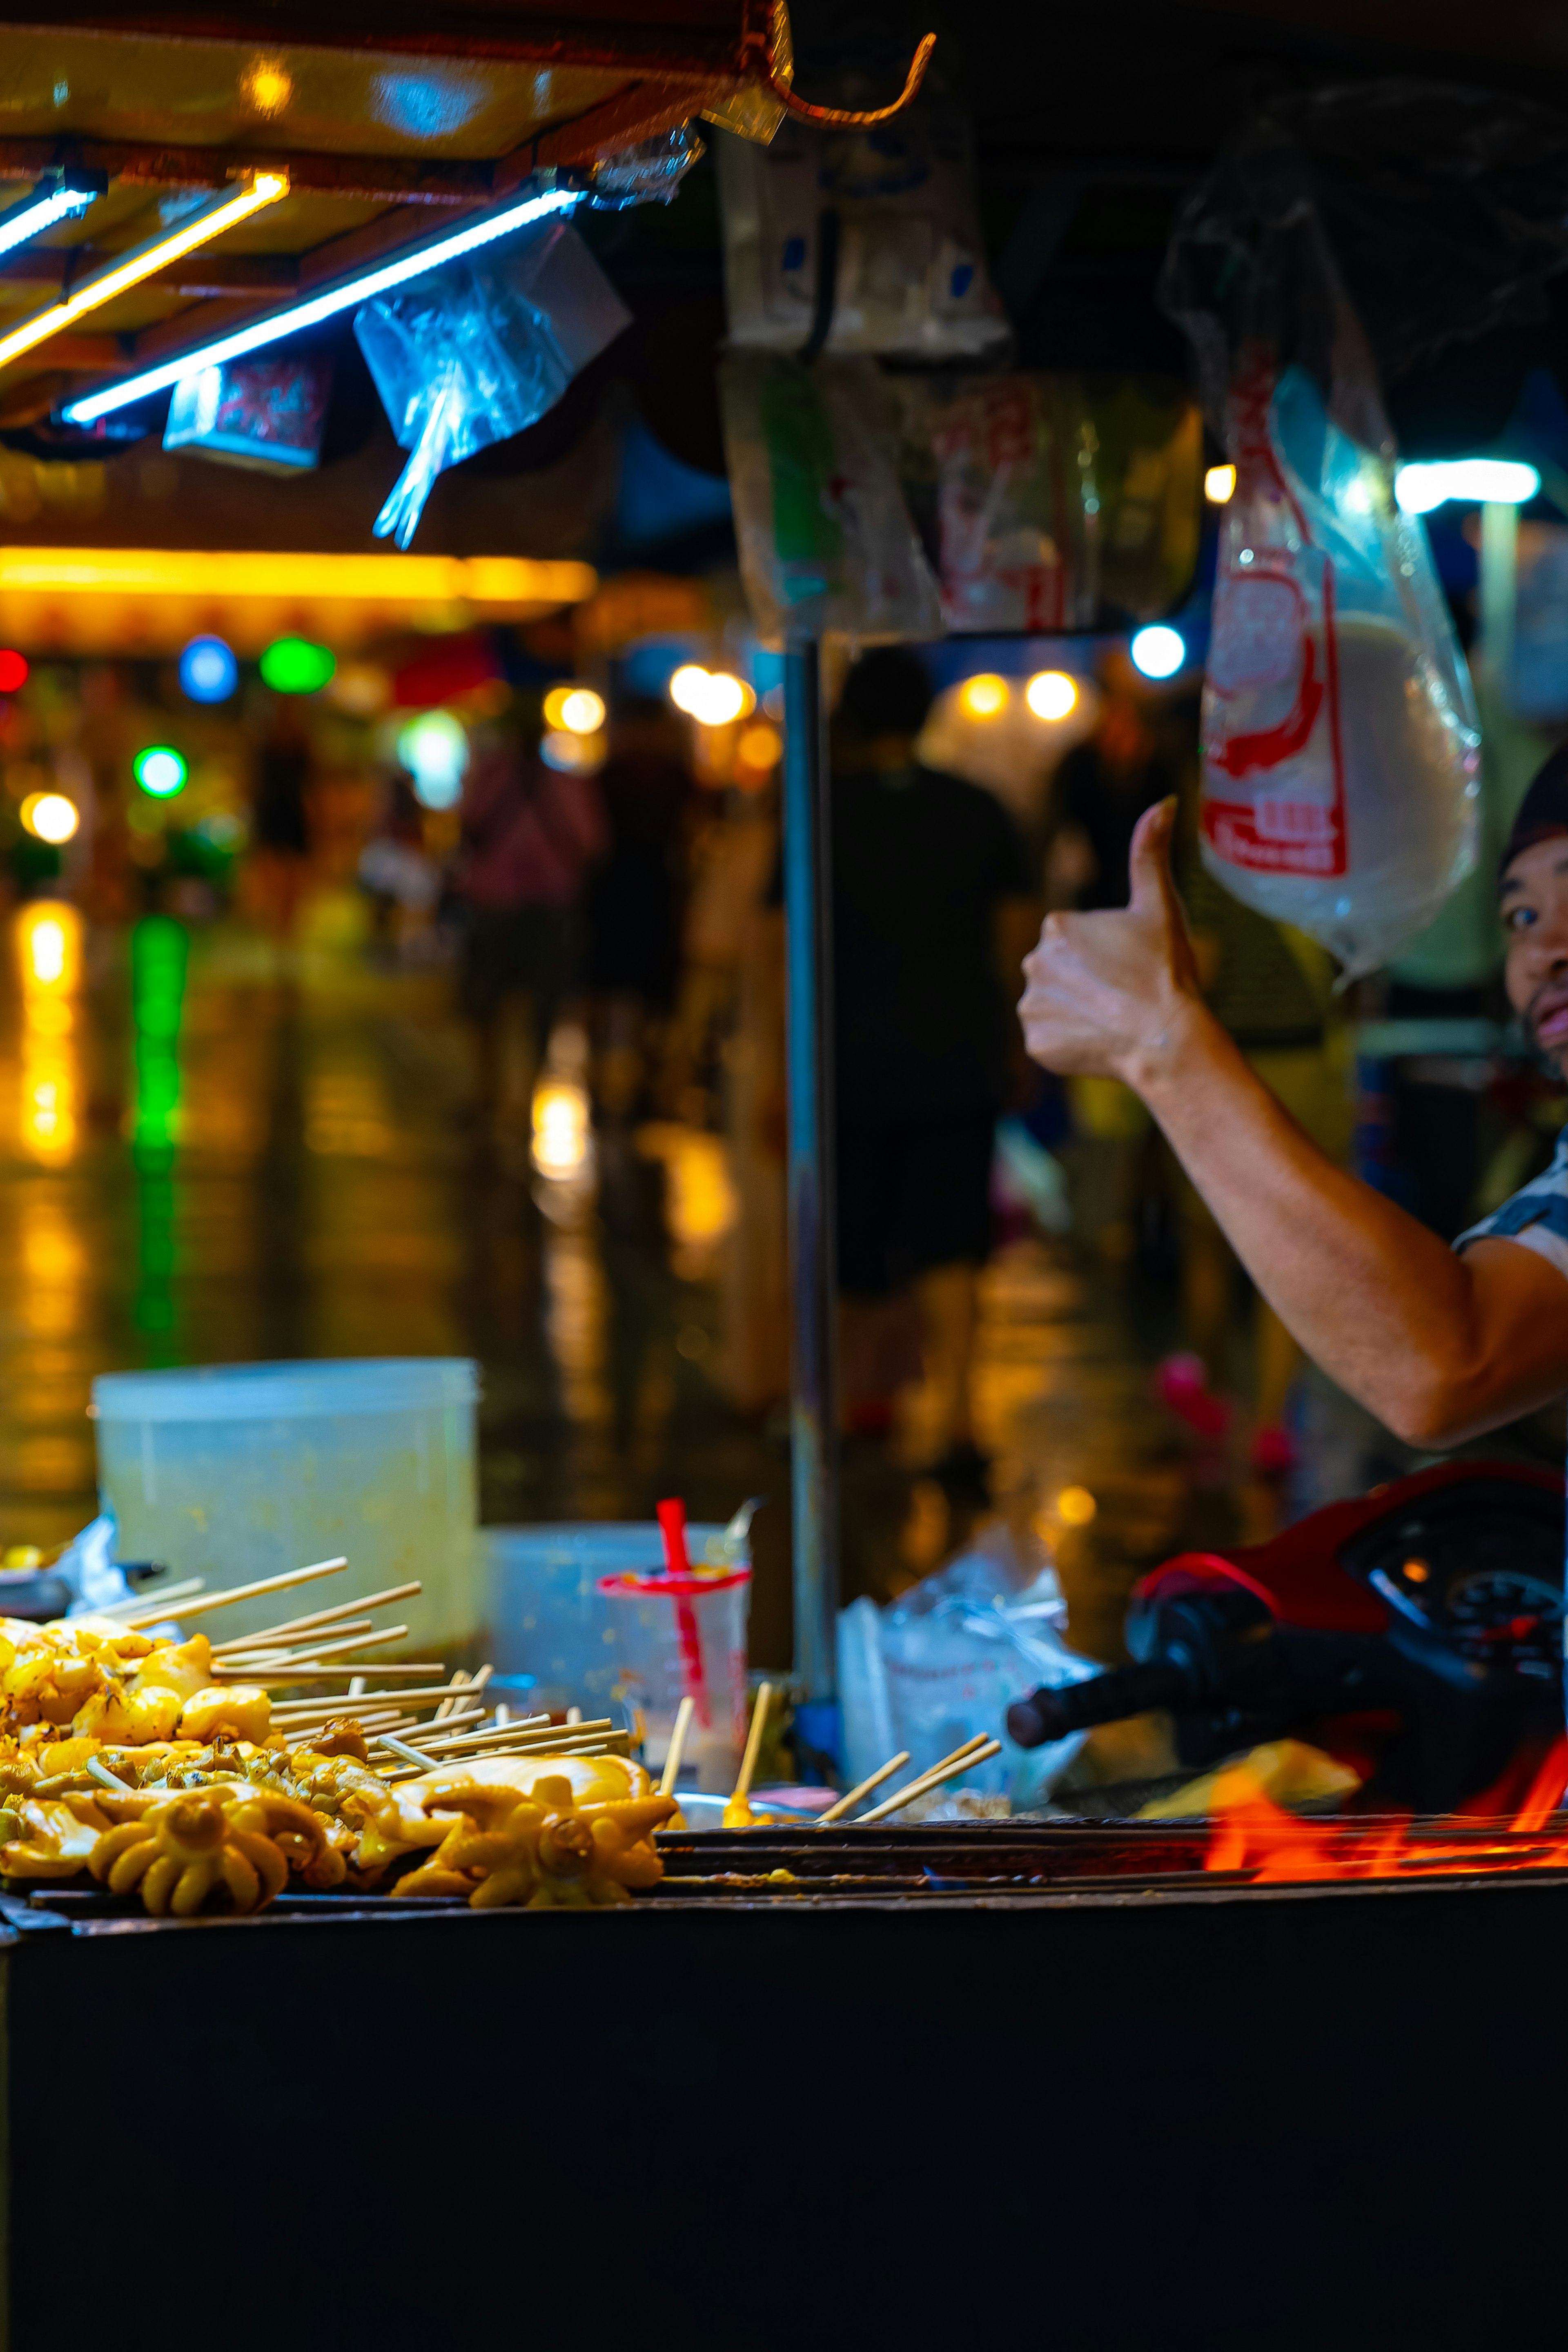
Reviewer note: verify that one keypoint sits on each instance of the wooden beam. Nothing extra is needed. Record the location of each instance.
(357, 179)
(696, 37)
(205, 271)
(643, 111)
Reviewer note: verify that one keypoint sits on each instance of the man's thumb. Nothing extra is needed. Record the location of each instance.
(1149, 859)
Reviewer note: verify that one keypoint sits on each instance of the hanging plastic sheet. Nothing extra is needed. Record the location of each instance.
(1340, 749)
(825, 536)
(478, 351)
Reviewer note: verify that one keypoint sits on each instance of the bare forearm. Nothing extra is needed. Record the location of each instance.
(1374, 1297)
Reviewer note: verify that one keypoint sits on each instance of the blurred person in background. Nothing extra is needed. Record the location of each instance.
(933, 907)
(631, 906)
(529, 834)
(278, 867)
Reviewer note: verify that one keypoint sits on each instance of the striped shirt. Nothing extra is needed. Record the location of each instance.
(1537, 1216)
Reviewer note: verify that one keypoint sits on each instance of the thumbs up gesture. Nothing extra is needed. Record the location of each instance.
(1108, 990)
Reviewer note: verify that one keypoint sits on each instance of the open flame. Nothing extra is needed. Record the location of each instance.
(1254, 1837)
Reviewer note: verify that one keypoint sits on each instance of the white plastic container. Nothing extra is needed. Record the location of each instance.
(550, 1620)
(231, 1472)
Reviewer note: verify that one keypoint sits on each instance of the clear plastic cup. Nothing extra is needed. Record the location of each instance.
(685, 1636)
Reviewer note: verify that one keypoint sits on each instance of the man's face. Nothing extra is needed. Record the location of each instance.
(1533, 902)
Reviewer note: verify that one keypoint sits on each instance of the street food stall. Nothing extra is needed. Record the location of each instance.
(279, 1912)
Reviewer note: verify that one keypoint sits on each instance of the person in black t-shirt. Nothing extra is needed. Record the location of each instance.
(932, 907)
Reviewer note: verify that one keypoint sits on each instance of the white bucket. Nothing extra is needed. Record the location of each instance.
(231, 1472)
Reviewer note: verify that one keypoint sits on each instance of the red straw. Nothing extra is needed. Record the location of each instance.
(672, 1527)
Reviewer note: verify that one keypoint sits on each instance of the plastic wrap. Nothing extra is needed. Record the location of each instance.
(478, 351)
(945, 1663)
(825, 539)
(1340, 748)
(648, 173)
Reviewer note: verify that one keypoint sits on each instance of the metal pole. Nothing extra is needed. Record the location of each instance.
(814, 1409)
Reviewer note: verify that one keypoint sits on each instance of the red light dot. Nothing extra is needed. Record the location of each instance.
(13, 671)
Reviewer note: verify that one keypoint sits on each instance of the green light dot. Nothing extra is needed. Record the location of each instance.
(160, 771)
(294, 665)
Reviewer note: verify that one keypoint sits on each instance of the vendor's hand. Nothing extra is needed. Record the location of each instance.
(1108, 990)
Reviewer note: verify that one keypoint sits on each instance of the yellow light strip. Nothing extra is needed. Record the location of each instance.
(199, 227)
(302, 579)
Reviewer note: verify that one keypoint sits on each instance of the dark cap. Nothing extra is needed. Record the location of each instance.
(1543, 812)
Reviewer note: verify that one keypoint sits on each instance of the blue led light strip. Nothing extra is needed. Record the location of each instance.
(297, 315)
(41, 210)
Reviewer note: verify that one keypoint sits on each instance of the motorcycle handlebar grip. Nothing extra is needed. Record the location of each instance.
(1054, 1713)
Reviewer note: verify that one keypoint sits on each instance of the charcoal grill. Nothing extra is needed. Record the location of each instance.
(1035, 2083)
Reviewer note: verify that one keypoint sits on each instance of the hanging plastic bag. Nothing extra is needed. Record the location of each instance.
(478, 351)
(1340, 748)
(1061, 502)
(888, 211)
(825, 539)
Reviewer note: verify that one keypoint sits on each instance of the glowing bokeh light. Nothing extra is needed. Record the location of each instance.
(434, 748)
(1075, 1507)
(160, 771)
(687, 687)
(50, 816)
(13, 672)
(1480, 481)
(294, 665)
(1219, 485)
(573, 709)
(1159, 651)
(208, 670)
(986, 697)
(1051, 694)
(561, 1128)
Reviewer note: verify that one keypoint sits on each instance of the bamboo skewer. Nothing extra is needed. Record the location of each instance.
(960, 1762)
(857, 1796)
(293, 1625)
(427, 1734)
(911, 1788)
(448, 1704)
(284, 1677)
(672, 1762)
(200, 1607)
(740, 1796)
(315, 1705)
(261, 1654)
(141, 1601)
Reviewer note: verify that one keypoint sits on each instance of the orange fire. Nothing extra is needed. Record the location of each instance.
(1256, 1837)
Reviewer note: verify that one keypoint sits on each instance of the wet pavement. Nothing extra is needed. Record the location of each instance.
(214, 1150)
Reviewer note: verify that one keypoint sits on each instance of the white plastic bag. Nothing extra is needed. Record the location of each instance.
(1341, 747)
(909, 270)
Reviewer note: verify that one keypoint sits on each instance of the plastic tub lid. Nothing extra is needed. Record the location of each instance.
(328, 1386)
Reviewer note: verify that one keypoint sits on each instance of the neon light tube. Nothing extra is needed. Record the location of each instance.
(297, 315)
(49, 202)
(197, 229)
(232, 575)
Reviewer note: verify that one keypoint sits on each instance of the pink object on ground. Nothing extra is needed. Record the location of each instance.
(1273, 1453)
(1182, 1382)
